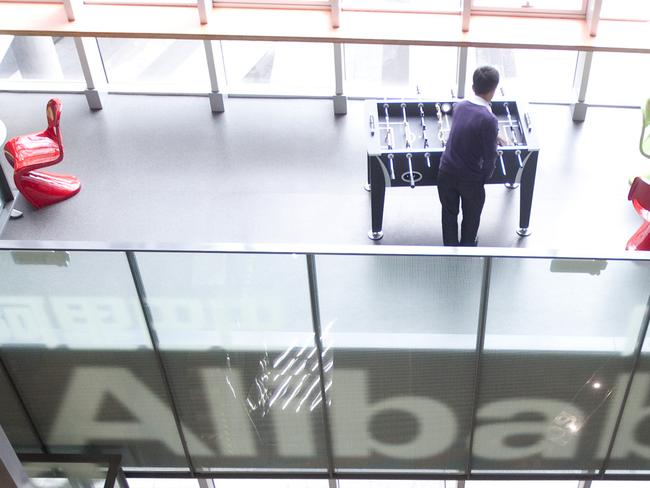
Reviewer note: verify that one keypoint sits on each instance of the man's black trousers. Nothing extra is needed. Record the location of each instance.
(454, 192)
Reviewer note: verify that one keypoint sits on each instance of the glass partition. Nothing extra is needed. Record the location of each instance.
(403, 334)
(237, 338)
(74, 340)
(560, 337)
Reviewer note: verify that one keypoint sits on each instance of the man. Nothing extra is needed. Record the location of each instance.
(469, 159)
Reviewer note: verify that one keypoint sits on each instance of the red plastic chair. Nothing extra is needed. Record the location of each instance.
(34, 151)
(640, 196)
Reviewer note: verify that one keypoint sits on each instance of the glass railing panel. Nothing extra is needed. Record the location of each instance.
(76, 344)
(236, 334)
(403, 334)
(560, 336)
(631, 451)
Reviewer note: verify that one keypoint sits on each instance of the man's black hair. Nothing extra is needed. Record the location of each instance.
(485, 79)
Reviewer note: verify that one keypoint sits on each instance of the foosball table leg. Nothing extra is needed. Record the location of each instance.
(526, 194)
(377, 197)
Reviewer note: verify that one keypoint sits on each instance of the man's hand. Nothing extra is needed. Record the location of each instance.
(501, 141)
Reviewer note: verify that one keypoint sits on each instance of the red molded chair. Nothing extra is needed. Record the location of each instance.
(640, 196)
(34, 151)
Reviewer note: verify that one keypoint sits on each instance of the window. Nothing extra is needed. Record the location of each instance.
(161, 63)
(525, 72)
(403, 5)
(297, 68)
(625, 10)
(39, 58)
(619, 78)
(533, 6)
(398, 70)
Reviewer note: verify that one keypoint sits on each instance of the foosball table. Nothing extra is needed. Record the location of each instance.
(406, 139)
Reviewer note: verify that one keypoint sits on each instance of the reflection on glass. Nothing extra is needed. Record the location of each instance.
(558, 353)
(13, 419)
(157, 62)
(403, 331)
(75, 343)
(619, 78)
(236, 334)
(631, 451)
(39, 58)
(279, 67)
(524, 72)
(399, 70)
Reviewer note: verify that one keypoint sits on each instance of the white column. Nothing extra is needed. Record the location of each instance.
(593, 16)
(466, 13)
(583, 67)
(93, 69)
(335, 6)
(216, 98)
(340, 100)
(461, 72)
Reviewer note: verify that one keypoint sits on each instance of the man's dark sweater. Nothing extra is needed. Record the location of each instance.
(471, 149)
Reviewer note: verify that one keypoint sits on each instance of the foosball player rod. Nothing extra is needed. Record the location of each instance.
(424, 126)
(409, 156)
(407, 129)
(392, 168)
(446, 108)
(503, 166)
(512, 128)
(518, 153)
(441, 135)
(422, 121)
(427, 157)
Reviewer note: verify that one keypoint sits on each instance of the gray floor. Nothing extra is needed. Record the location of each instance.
(160, 169)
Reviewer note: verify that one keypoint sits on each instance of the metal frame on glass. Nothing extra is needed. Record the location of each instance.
(310, 253)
